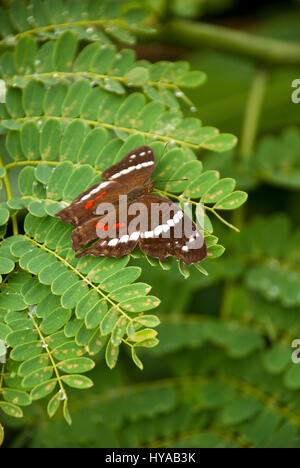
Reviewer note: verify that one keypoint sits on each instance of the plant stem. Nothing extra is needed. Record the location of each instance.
(64, 393)
(182, 199)
(9, 197)
(227, 300)
(194, 34)
(252, 113)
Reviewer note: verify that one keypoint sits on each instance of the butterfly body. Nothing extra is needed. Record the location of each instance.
(122, 211)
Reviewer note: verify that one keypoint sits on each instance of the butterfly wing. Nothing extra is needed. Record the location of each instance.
(134, 169)
(85, 205)
(172, 233)
(169, 232)
(117, 235)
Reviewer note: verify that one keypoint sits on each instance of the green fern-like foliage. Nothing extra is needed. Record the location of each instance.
(223, 381)
(74, 104)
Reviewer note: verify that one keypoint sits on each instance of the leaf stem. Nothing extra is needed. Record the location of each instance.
(64, 393)
(252, 113)
(84, 23)
(171, 195)
(95, 123)
(231, 226)
(40, 161)
(194, 34)
(102, 77)
(9, 196)
(2, 375)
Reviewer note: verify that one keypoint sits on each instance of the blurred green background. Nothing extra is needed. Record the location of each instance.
(222, 375)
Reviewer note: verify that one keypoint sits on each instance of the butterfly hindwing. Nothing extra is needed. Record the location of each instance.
(174, 234)
(117, 232)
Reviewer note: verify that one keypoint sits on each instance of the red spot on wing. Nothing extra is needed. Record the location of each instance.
(89, 204)
(106, 227)
(101, 194)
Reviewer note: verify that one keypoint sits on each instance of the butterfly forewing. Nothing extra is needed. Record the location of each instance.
(134, 169)
(85, 205)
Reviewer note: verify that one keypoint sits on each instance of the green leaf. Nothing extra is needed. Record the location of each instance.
(215, 251)
(54, 404)
(78, 182)
(4, 217)
(14, 103)
(43, 389)
(148, 320)
(19, 16)
(11, 410)
(277, 359)
(67, 351)
(239, 411)
(12, 302)
(5, 330)
(119, 331)
(220, 143)
(141, 304)
(54, 99)
(111, 355)
(33, 98)
(136, 360)
(89, 150)
(201, 184)
(96, 314)
(66, 413)
(96, 343)
(129, 110)
(292, 377)
(49, 144)
(16, 397)
(109, 321)
(146, 334)
(120, 278)
(219, 191)
(74, 98)
(76, 365)
(55, 321)
(232, 201)
(25, 53)
(34, 364)
(72, 140)
(64, 51)
(77, 381)
(37, 377)
(130, 292)
(30, 140)
(58, 180)
(191, 79)
(137, 76)
(26, 351)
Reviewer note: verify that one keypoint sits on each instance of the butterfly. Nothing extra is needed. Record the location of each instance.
(106, 214)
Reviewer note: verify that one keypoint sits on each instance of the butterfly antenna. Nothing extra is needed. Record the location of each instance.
(164, 150)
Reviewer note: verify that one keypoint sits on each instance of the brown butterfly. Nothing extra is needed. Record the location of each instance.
(160, 233)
